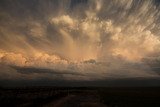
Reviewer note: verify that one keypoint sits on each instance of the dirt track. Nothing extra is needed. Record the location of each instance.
(77, 100)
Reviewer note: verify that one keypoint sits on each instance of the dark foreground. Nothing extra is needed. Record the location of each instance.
(80, 97)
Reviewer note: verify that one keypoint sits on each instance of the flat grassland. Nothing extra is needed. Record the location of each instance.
(80, 97)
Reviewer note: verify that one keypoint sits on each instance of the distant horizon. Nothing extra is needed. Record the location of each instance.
(123, 82)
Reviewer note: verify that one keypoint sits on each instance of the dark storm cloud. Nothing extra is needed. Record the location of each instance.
(31, 70)
(156, 69)
(154, 64)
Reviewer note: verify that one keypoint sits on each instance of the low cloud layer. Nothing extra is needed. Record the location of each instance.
(79, 39)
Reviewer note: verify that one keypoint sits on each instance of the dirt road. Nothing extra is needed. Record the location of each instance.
(77, 100)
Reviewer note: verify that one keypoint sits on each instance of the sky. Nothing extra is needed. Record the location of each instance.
(79, 40)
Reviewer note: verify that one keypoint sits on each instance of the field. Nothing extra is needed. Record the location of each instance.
(80, 97)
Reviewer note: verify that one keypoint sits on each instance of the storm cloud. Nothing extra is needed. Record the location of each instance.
(79, 39)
